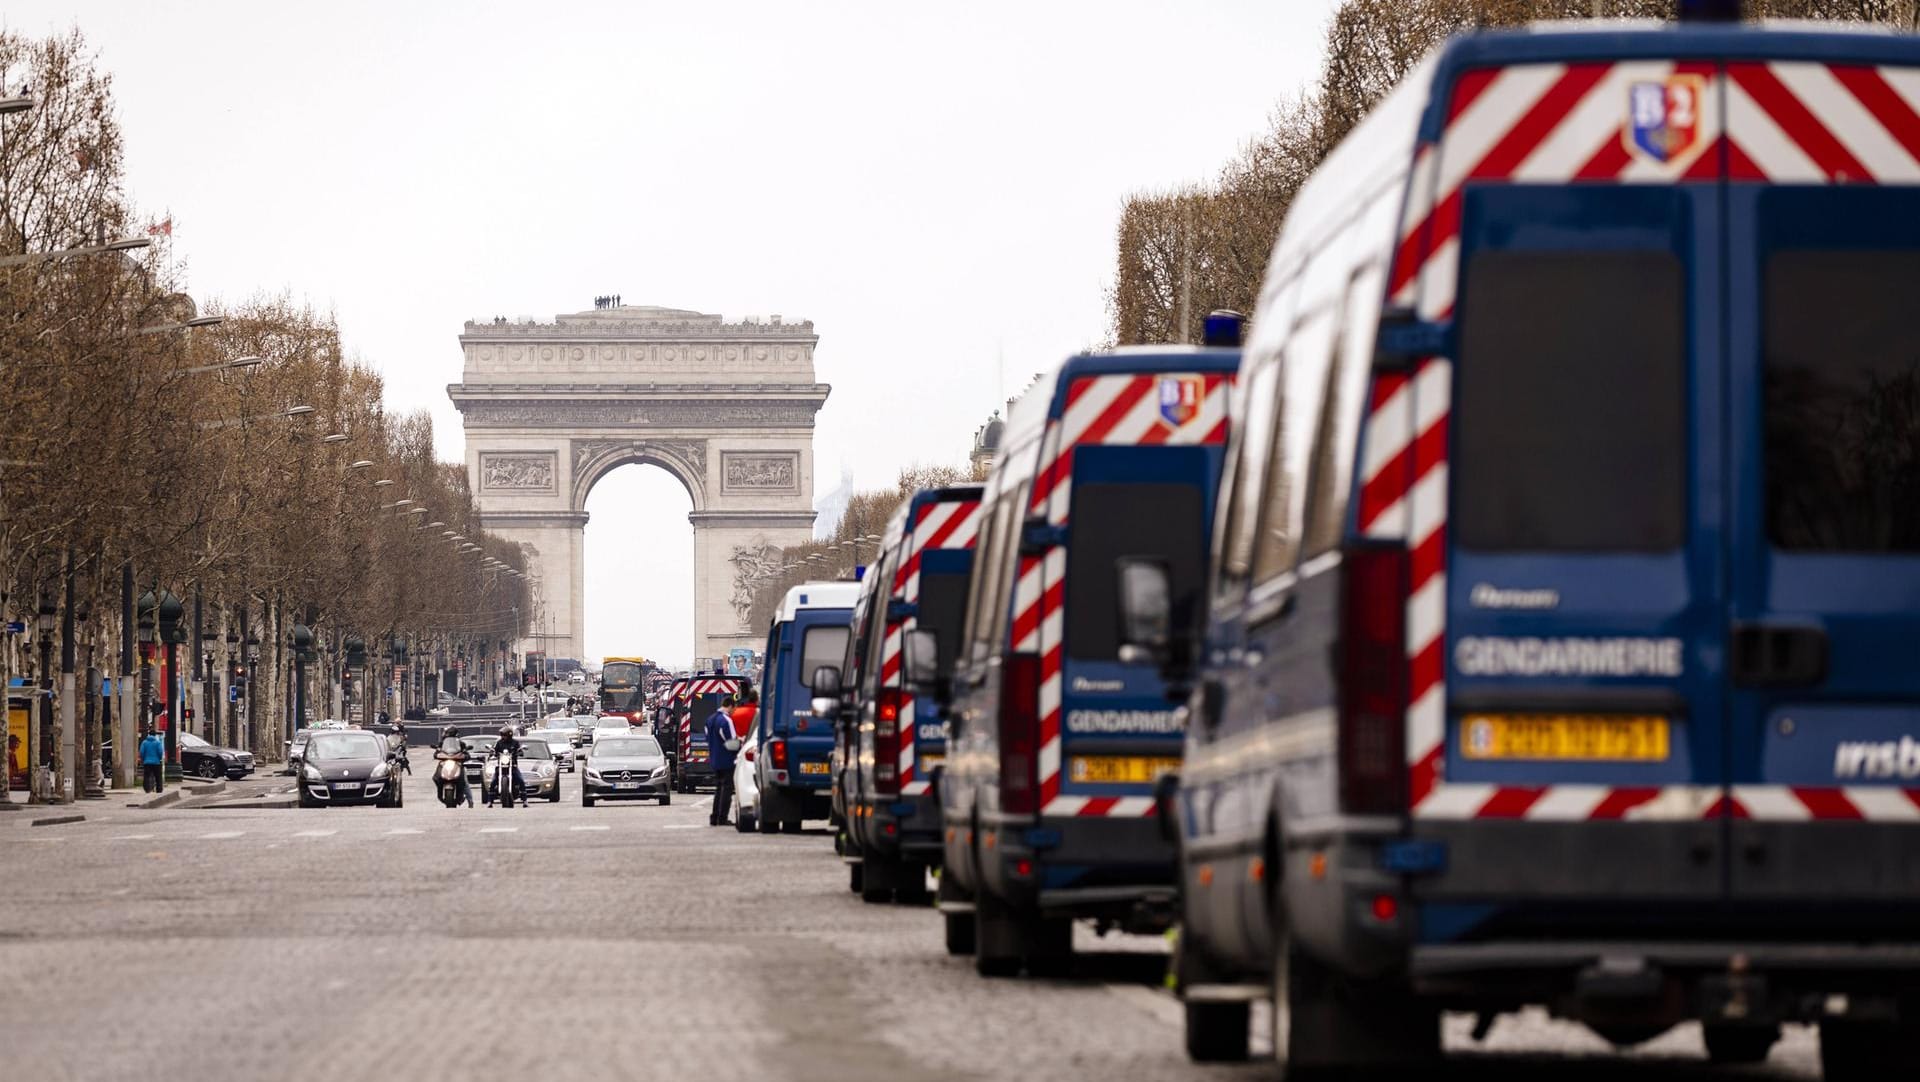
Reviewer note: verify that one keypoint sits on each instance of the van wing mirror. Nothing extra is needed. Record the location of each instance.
(920, 660)
(825, 681)
(1144, 588)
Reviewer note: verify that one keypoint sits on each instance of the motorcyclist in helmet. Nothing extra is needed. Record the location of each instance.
(508, 742)
(451, 748)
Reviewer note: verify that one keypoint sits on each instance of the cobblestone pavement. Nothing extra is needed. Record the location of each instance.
(558, 942)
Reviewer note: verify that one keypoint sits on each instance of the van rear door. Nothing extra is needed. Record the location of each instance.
(1584, 728)
(1824, 393)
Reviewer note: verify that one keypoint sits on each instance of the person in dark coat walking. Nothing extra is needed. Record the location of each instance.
(721, 746)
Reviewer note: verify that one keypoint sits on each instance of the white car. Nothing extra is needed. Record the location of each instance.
(558, 741)
(746, 792)
(604, 729)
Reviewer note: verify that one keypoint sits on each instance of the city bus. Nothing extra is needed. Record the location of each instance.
(623, 683)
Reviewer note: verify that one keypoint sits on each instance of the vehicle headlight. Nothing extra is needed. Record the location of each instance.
(380, 771)
(229, 756)
(658, 771)
(312, 773)
(546, 770)
(593, 775)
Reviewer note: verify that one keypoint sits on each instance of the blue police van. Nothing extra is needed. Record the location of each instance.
(894, 739)
(1054, 744)
(791, 746)
(1569, 563)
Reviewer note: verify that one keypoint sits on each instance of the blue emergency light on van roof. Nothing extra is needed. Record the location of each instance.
(1222, 328)
(1711, 11)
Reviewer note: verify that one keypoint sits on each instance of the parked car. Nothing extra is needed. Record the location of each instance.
(1057, 742)
(746, 790)
(893, 739)
(204, 760)
(351, 767)
(539, 773)
(628, 766)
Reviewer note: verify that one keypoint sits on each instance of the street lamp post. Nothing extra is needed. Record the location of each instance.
(255, 742)
(168, 613)
(145, 608)
(302, 651)
(46, 758)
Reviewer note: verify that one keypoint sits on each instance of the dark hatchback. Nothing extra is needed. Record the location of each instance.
(348, 767)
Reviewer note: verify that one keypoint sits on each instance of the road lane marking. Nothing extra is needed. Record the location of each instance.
(499, 830)
(130, 837)
(405, 830)
(315, 833)
(222, 834)
(684, 826)
(591, 828)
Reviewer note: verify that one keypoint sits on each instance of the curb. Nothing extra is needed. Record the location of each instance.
(285, 802)
(160, 801)
(56, 820)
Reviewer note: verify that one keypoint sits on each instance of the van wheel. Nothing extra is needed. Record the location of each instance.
(960, 938)
(856, 877)
(1856, 1051)
(1739, 1044)
(1216, 1032)
(1332, 1026)
(998, 946)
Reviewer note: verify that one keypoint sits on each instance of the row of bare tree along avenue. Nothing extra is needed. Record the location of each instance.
(205, 510)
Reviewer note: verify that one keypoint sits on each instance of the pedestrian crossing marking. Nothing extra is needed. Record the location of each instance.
(222, 834)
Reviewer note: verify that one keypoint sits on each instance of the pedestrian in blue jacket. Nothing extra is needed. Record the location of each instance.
(153, 757)
(720, 757)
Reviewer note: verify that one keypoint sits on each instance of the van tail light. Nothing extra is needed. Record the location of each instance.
(1020, 734)
(886, 740)
(1373, 677)
(777, 754)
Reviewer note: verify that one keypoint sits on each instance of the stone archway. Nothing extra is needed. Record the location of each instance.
(726, 408)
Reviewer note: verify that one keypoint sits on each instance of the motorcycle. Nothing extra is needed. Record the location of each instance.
(506, 779)
(446, 779)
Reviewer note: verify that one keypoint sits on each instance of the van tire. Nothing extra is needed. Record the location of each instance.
(1730, 1045)
(960, 934)
(1332, 1026)
(1217, 1032)
(1855, 1051)
(856, 876)
(998, 945)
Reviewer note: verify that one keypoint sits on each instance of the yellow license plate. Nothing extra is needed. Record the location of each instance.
(697, 753)
(928, 762)
(1637, 738)
(1119, 769)
(813, 768)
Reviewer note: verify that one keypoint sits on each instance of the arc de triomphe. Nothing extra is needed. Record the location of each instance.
(727, 408)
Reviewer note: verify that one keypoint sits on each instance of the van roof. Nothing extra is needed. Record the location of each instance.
(1047, 396)
(816, 595)
(1641, 40)
(897, 522)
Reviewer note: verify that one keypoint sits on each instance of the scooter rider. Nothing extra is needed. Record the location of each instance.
(509, 743)
(451, 748)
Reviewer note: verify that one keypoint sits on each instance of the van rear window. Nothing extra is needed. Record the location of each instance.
(1843, 401)
(1570, 402)
(1114, 520)
(943, 608)
(825, 645)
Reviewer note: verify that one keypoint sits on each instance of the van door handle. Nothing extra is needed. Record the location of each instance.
(1778, 655)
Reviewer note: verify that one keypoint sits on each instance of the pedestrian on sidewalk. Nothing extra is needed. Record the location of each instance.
(721, 746)
(153, 757)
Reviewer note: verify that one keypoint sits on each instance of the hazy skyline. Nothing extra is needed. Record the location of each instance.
(936, 190)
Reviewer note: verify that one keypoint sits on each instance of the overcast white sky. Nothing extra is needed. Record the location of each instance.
(935, 186)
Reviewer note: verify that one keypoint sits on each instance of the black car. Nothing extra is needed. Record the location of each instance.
(203, 760)
(349, 766)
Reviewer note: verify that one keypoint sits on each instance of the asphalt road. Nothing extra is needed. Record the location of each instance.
(557, 942)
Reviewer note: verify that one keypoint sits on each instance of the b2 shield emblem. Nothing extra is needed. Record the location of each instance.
(1664, 116)
(1180, 398)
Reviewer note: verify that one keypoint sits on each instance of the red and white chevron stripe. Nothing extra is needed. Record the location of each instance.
(947, 524)
(724, 685)
(1673, 803)
(1570, 123)
(1120, 409)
